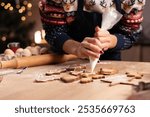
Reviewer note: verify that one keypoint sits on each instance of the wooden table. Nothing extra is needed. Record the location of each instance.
(22, 86)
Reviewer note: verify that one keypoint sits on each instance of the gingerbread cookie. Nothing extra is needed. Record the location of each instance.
(80, 68)
(98, 76)
(76, 67)
(86, 74)
(86, 80)
(56, 71)
(142, 86)
(136, 75)
(117, 79)
(75, 73)
(43, 78)
(107, 71)
(69, 79)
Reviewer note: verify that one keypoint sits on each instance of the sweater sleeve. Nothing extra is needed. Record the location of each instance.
(128, 30)
(54, 24)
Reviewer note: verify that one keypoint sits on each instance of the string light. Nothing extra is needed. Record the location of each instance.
(22, 8)
(29, 13)
(6, 7)
(17, 6)
(11, 8)
(29, 5)
(2, 4)
(23, 18)
(25, 2)
(20, 11)
(3, 38)
(8, 4)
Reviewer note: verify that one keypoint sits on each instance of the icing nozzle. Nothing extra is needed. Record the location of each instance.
(93, 62)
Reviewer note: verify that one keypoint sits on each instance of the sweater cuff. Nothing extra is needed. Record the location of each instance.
(120, 42)
(61, 38)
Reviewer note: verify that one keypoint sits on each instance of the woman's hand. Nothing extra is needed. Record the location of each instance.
(90, 46)
(107, 40)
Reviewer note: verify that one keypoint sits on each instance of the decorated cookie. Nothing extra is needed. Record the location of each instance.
(86, 74)
(134, 74)
(55, 71)
(69, 79)
(76, 67)
(107, 71)
(75, 73)
(86, 80)
(43, 78)
(117, 79)
(98, 76)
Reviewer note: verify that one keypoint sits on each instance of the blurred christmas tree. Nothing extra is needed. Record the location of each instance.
(13, 24)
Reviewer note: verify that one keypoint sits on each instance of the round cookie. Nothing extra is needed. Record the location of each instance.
(98, 76)
(86, 80)
(69, 79)
(108, 71)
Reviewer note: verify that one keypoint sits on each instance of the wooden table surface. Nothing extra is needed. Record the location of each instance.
(22, 86)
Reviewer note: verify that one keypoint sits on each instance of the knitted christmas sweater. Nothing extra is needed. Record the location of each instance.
(76, 19)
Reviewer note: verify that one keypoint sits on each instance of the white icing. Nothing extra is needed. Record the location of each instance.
(93, 62)
(43, 78)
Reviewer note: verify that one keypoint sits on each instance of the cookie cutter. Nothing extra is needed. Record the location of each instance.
(142, 86)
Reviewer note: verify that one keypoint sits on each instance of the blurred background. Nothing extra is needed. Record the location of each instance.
(20, 22)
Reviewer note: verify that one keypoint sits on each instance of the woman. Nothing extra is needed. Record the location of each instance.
(73, 26)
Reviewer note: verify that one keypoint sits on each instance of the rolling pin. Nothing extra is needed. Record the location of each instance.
(36, 60)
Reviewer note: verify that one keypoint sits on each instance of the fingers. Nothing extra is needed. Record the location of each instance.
(91, 53)
(110, 41)
(83, 52)
(104, 39)
(100, 33)
(105, 46)
(94, 47)
(101, 42)
(80, 52)
(94, 41)
(97, 28)
(91, 47)
(93, 44)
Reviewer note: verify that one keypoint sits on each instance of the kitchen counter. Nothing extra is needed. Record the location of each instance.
(23, 86)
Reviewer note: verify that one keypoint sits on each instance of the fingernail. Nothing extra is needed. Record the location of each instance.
(104, 49)
(101, 52)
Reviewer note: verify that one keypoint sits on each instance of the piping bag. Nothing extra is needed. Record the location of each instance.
(109, 18)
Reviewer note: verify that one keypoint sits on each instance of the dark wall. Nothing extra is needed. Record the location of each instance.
(140, 52)
(146, 23)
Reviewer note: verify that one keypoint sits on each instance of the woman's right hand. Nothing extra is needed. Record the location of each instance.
(90, 46)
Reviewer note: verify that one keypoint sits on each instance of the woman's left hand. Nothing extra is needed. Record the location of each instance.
(108, 40)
